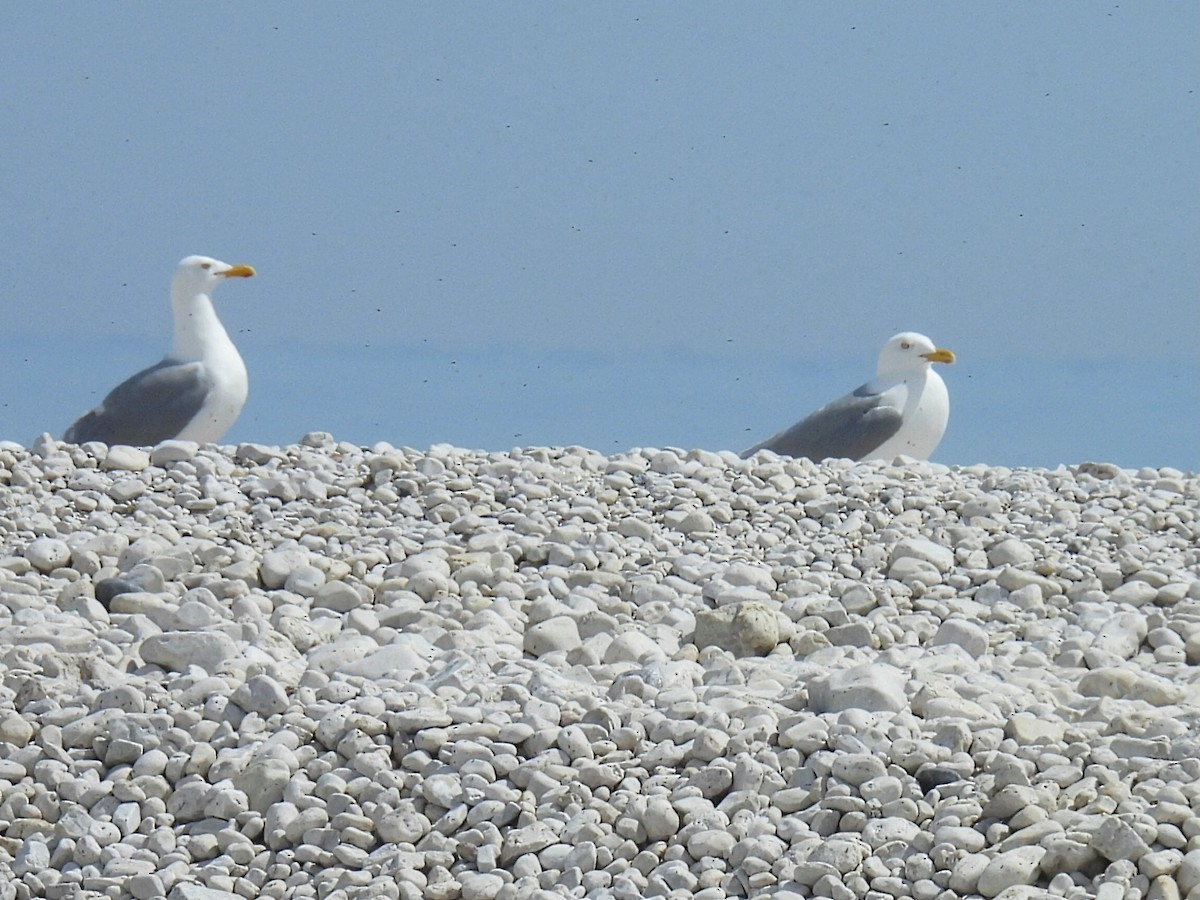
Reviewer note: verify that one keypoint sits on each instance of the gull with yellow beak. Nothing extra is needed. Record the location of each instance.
(198, 389)
(902, 410)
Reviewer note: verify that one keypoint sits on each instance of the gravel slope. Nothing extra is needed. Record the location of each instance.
(329, 671)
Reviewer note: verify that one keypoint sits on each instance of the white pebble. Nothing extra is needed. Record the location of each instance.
(48, 554)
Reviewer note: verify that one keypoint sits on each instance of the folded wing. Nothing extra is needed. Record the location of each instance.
(152, 406)
(850, 427)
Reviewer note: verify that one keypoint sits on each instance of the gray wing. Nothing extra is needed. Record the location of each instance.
(851, 427)
(152, 406)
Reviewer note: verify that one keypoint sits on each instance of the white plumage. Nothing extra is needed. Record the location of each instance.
(198, 389)
(904, 409)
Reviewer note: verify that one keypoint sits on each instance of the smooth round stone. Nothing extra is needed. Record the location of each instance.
(304, 580)
(47, 554)
(193, 615)
(188, 801)
(844, 856)
(984, 505)
(140, 550)
(878, 832)
(927, 551)
(125, 697)
(971, 637)
(337, 596)
(631, 646)
(480, 885)
(177, 650)
(147, 577)
(1010, 552)
(909, 570)
(855, 768)
(710, 843)
(746, 575)
(960, 837)
(875, 687)
(528, 839)
(881, 790)
(277, 565)
(639, 529)
(127, 489)
(146, 887)
(263, 782)
(1121, 636)
(558, 633)
(660, 819)
(574, 742)
(748, 628)
(1159, 863)
(167, 453)
(444, 790)
(1013, 867)
(15, 729)
(261, 694)
(692, 523)
(1135, 593)
(964, 878)
(125, 459)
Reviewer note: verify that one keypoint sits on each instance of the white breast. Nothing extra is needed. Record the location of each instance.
(230, 387)
(925, 415)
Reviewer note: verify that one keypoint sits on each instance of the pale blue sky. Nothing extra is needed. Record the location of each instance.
(615, 224)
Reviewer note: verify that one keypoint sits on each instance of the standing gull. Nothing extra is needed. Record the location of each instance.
(902, 410)
(198, 389)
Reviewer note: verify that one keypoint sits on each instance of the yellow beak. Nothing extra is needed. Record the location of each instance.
(939, 355)
(239, 272)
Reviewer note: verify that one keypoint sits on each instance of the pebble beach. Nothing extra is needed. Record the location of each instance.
(330, 671)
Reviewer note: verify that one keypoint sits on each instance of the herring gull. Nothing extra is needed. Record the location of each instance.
(198, 389)
(902, 410)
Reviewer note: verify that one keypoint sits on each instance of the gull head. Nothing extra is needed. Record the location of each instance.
(909, 351)
(201, 275)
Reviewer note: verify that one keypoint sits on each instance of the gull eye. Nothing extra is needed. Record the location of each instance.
(206, 265)
(905, 345)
